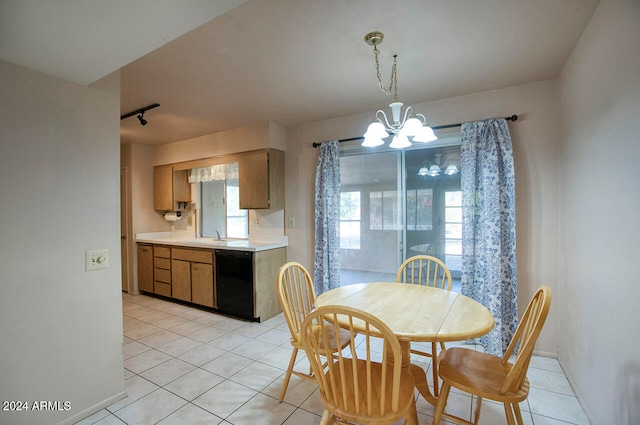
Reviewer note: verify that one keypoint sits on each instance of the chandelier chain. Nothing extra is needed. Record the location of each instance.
(393, 84)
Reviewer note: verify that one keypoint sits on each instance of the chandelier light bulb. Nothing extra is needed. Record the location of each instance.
(412, 126)
(376, 130)
(451, 170)
(400, 141)
(425, 134)
(372, 142)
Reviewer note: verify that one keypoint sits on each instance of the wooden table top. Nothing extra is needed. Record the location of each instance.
(414, 312)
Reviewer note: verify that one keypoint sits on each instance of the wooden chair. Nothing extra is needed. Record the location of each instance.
(427, 271)
(297, 298)
(353, 387)
(487, 376)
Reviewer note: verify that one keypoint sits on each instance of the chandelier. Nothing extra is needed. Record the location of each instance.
(404, 125)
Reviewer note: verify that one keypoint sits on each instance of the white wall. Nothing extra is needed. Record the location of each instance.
(599, 223)
(60, 326)
(535, 141)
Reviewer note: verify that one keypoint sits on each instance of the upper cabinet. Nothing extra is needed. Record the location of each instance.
(261, 179)
(170, 187)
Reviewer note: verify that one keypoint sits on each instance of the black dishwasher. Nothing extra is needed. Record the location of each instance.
(234, 283)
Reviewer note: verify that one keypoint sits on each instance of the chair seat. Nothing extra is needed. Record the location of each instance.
(335, 343)
(407, 387)
(480, 374)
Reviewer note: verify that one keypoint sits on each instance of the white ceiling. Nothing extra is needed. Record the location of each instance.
(288, 61)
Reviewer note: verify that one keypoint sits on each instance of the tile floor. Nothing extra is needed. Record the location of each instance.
(188, 366)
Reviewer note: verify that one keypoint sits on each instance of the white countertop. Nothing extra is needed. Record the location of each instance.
(166, 238)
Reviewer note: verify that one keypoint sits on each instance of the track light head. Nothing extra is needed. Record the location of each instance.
(142, 120)
(139, 113)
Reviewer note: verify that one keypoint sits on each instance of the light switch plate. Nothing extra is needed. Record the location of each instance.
(96, 259)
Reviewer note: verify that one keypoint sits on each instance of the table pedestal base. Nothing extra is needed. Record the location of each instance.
(418, 373)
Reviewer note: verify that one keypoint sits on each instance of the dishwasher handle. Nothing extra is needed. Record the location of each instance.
(232, 253)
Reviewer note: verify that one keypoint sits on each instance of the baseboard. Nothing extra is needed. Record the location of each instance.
(93, 409)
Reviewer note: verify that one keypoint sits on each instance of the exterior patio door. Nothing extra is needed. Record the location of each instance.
(390, 212)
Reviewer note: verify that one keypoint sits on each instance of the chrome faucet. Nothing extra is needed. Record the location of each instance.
(218, 233)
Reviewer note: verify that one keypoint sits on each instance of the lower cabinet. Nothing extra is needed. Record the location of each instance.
(181, 280)
(145, 267)
(162, 270)
(189, 275)
(202, 284)
(192, 276)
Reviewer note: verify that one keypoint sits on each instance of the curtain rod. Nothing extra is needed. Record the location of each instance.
(439, 127)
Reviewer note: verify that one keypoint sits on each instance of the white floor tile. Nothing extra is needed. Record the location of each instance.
(146, 360)
(264, 407)
(136, 388)
(134, 348)
(227, 364)
(179, 346)
(159, 338)
(188, 366)
(557, 406)
(201, 355)
(256, 376)
(191, 415)
(254, 349)
(225, 398)
(151, 408)
(194, 384)
(167, 371)
(302, 417)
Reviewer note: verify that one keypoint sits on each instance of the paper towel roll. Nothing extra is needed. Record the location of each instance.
(172, 216)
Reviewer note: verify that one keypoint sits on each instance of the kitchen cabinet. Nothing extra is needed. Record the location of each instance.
(202, 284)
(145, 267)
(162, 270)
(181, 280)
(261, 179)
(265, 271)
(170, 187)
(192, 275)
(188, 274)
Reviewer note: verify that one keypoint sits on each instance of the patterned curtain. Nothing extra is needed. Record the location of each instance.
(489, 273)
(327, 210)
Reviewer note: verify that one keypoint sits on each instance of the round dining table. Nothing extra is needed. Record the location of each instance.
(416, 313)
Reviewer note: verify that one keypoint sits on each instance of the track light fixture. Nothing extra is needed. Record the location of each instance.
(140, 113)
(142, 120)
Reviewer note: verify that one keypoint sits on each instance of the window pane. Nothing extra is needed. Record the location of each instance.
(390, 210)
(411, 209)
(453, 214)
(350, 206)
(453, 262)
(350, 234)
(375, 210)
(350, 220)
(424, 212)
(453, 199)
(237, 219)
(453, 230)
(453, 246)
(212, 208)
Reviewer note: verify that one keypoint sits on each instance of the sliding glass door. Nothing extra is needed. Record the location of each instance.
(370, 216)
(391, 209)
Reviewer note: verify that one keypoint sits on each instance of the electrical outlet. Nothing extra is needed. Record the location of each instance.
(96, 259)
